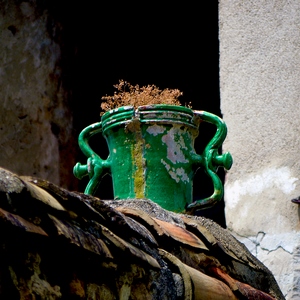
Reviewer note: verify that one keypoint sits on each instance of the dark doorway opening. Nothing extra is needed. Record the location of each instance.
(173, 46)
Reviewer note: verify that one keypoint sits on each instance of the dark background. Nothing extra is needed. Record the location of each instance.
(171, 46)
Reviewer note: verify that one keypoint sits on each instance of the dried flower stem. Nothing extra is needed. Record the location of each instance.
(128, 94)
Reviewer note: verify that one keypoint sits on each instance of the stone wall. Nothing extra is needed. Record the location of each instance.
(57, 244)
(36, 121)
(259, 78)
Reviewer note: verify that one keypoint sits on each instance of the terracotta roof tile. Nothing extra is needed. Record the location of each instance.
(75, 243)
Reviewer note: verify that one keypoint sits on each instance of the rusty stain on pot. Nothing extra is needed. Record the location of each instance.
(137, 158)
(133, 125)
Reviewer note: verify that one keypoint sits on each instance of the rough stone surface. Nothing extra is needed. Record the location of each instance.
(36, 122)
(259, 80)
(57, 244)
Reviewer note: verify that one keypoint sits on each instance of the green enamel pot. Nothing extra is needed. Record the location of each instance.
(152, 155)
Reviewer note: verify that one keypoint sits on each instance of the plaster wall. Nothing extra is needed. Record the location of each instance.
(35, 119)
(259, 85)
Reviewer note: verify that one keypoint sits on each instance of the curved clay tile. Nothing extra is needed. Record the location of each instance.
(57, 244)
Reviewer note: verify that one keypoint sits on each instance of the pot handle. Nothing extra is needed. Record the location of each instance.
(95, 165)
(212, 160)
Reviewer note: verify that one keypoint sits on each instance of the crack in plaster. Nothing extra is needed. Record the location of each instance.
(261, 237)
(275, 249)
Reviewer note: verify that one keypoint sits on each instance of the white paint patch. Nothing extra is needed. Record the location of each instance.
(156, 129)
(278, 178)
(181, 173)
(177, 174)
(175, 143)
(168, 167)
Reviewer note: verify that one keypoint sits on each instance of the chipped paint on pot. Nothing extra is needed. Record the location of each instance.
(176, 174)
(156, 129)
(152, 154)
(176, 145)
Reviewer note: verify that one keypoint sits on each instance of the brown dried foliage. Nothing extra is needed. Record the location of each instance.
(135, 95)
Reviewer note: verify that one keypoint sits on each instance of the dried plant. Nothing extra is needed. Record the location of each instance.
(128, 94)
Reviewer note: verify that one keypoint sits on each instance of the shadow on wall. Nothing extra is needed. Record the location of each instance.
(171, 47)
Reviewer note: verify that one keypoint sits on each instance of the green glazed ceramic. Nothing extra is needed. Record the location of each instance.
(152, 155)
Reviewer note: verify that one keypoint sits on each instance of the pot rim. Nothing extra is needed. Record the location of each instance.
(149, 114)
